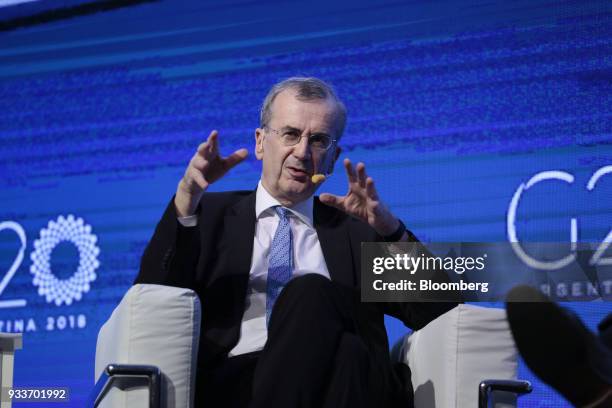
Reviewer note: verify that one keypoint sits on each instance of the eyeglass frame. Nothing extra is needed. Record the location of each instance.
(277, 131)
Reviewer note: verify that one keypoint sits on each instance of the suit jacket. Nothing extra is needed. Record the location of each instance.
(214, 259)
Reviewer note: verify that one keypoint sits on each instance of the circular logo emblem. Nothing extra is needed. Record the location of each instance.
(78, 233)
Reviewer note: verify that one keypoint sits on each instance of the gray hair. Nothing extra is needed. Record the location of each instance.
(308, 89)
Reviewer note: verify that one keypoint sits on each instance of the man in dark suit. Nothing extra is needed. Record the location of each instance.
(277, 270)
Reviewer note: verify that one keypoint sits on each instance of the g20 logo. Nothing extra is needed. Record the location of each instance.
(53, 289)
(596, 259)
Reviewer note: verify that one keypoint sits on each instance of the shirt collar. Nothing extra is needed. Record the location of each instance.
(265, 201)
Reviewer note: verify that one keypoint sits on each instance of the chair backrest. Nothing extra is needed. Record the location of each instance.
(452, 354)
(153, 325)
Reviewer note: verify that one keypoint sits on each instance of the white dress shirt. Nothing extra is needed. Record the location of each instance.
(307, 258)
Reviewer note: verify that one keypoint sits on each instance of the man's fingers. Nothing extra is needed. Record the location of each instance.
(203, 146)
(198, 178)
(210, 148)
(214, 142)
(350, 172)
(198, 161)
(235, 158)
(361, 174)
(371, 189)
(332, 200)
(207, 166)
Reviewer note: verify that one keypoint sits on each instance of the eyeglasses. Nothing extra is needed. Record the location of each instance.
(291, 137)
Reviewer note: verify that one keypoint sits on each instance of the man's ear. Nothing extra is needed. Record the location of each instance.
(338, 150)
(259, 138)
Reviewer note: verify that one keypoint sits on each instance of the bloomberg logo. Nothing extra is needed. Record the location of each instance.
(55, 290)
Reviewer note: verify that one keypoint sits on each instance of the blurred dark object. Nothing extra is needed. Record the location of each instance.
(560, 349)
(32, 13)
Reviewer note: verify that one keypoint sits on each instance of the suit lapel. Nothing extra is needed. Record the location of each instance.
(226, 290)
(334, 238)
(239, 230)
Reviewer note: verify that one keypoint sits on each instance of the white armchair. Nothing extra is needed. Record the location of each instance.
(146, 354)
(464, 358)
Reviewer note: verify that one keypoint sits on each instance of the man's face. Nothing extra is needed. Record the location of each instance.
(287, 170)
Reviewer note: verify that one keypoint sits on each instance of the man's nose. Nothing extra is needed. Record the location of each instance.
(302, 149)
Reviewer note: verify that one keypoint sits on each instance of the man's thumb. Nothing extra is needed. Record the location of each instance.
(236, 157)
(330, 199)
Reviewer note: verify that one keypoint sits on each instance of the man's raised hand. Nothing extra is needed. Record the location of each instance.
(206, 167)
(362, 201)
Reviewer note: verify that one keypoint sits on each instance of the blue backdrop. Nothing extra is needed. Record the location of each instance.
(452, 105)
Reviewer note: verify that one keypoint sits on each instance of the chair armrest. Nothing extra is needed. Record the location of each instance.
(114, 374)
(9, 342)
(517, 387)
(158, 326)
(454, 353)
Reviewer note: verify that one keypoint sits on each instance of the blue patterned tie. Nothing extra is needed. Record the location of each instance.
(280, 262)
